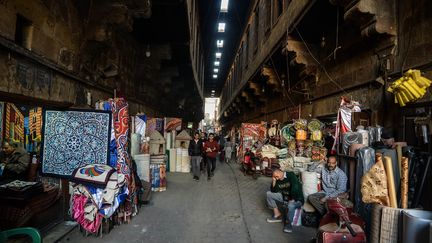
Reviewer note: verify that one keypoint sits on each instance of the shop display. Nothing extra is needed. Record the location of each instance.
(172, 124)
(135, 144)
(173, 160)
(390, 224)
(416, 226)
(350, 138)
(410, 87)
(73, 139)
(309, 182)
(178, 156)
(157, 143)
(404, 183)
(96, 175)
(158, 177)
(143, 166)
(154, 124)
(140, 125)
(120, 122)
(390, 181)
(374, 188)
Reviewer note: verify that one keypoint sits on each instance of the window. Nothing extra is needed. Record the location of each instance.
(23, 32)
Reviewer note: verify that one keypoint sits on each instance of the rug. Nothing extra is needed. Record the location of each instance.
(97, 175)
(73, 139)
(154, 124)
(172, 124)
(121, 132)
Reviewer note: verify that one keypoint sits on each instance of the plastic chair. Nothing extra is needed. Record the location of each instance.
(32, 232)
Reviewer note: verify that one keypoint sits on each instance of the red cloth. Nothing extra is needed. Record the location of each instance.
(214, 146)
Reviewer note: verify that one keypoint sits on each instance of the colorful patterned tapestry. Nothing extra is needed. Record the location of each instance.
(73, 139)
(14, 123)
(96, 175)
(154, 124)
(121, 131)
(172, 124)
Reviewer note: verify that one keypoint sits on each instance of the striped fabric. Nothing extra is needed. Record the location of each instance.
(376, 223)
(390, 221)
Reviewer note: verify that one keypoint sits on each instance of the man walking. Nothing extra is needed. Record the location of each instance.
(195, 151)
(211, 148)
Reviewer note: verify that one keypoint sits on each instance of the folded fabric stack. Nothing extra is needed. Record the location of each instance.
(99, 193)
(269, 151)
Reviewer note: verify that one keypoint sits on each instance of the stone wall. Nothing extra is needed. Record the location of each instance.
(75, 48)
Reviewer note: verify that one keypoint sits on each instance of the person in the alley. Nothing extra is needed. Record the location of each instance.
(285, 189)
(211, 148)
(203, 164)
(334, 184)
(195, 151)
(14, 162)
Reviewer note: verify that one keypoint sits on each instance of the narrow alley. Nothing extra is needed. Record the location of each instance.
(312, 119)
(228, 208)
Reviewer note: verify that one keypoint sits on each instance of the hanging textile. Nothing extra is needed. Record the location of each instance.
(121, 131)
(73, 139)
(140, 125)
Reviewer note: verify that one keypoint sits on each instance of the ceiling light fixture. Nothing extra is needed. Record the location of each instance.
(224, 6)
(148, 53)
(217, 63)
(219, 43)
(218, 55)
(214, 76)
(221, 27)
(216, 70)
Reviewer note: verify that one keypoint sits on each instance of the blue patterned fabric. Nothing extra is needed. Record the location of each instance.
(73, 139)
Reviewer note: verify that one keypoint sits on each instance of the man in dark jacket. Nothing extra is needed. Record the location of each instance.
(285, 187)
(211, 147)
(195, 151)
(15, 162)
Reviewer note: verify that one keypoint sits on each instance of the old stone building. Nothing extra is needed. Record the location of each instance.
(309, 53)
(318, 111)
(67, 53)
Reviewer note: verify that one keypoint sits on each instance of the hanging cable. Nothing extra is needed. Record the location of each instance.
(285, 93)
(320, 65)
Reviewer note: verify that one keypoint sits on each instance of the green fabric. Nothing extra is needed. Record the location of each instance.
(290, 187)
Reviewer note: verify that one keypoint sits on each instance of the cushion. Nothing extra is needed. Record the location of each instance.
(96, 175)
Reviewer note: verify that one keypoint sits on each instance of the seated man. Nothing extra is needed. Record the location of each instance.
(334, 184)
(285, 187)
(14, 162)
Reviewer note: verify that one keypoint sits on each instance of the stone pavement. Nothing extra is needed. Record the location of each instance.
(206, 211)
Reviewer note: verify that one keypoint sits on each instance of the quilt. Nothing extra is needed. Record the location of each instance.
(73, 139)
(97, 175)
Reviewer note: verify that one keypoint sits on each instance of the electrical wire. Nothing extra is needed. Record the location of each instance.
(319, 64)
(285, 93)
